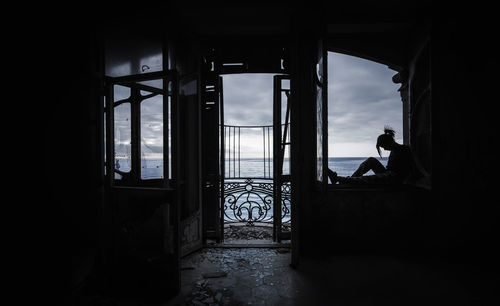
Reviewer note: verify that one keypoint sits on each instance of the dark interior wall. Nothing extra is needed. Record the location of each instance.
(389, 221)
(66, 135)
(465, 65)
(75, 223)
(81, 231)
(303, 136)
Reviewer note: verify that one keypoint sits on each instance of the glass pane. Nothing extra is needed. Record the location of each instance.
(319, 112)
(152, 138)
(286, 161)
(122, 132)
(121, 93)
(285, 84)
(319, 132)
(285, 134)
(285, 122)
(132, 55)
(284, 101)
(169, 135)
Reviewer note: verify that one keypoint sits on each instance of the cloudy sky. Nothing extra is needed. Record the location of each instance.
(361, 95)
(362, 100)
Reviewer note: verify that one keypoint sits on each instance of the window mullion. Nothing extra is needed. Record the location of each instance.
(135, 136)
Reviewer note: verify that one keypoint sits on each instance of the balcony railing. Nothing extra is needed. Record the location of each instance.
(248, 177)
(248, 151)
(251, 201)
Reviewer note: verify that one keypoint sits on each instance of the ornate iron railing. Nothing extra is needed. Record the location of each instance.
(237, 160)
(251, 201)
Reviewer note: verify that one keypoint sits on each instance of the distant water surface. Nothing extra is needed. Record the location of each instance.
(253, 167)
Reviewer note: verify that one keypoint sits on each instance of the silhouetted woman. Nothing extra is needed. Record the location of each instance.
(399, 164)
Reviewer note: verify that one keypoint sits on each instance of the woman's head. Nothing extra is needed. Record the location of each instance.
(386, 140)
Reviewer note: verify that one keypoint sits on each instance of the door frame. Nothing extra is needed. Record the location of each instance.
(279, 145)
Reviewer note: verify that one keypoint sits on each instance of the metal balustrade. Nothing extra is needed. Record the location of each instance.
(249, 191)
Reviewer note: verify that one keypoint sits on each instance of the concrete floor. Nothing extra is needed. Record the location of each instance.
(247, 271)
(262, 276)
(239, 275)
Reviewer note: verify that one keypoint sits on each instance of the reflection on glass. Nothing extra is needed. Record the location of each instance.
(132, 55)
(319, 112)
(285, 84)
(170, 88)
(285, 134)
(152, 138)
(284, 102)
(152, 62)
(286, 161)
(169, 135)
(122, 132)
(319, 73)
(319, 132)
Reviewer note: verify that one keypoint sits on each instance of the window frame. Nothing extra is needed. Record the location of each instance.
(168, 91)
(320, 81)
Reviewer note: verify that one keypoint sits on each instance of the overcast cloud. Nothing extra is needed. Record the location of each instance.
(362, 100)
(248, 99)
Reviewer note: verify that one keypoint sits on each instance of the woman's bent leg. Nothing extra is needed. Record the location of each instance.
(371, 163)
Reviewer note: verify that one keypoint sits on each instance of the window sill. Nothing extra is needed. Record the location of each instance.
(372, 187)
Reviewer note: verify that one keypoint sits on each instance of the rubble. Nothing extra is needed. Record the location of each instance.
(248, 233)
(235, 276)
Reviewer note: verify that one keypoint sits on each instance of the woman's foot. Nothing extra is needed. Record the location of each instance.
(332, 175)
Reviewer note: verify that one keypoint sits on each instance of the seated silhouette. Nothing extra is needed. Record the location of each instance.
(399, 164)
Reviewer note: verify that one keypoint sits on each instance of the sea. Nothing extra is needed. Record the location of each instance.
(259, 169)
(254, 167)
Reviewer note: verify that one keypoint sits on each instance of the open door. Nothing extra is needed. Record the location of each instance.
(139, 187)
(213, 156)
(140, 213)
(282, 175)
(189, 159)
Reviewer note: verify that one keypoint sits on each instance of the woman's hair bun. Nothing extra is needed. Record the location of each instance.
(389, 131)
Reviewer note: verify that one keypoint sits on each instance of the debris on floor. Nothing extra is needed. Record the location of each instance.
(202, 294)
(234, 232)
(214, 274)
(237, 276)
